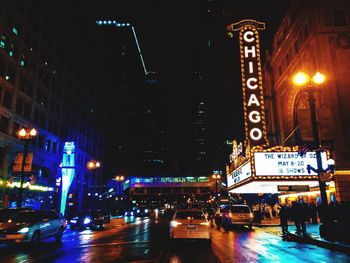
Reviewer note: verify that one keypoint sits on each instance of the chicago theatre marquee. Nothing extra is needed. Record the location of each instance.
(255, 166)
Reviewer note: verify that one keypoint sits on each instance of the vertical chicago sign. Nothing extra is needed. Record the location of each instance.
(253, 98)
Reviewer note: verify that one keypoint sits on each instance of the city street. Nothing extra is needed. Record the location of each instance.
(146, 240)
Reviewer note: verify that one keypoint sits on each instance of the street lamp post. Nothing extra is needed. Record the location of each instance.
(119, 179)
(25, 135)
(311, 84)
(216, 177)
(92, 166)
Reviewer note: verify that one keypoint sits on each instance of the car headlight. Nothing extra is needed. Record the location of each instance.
(73, 221)
(146, 210)
(138, 210)
(132, 213)
(87, 221)
(23, 230)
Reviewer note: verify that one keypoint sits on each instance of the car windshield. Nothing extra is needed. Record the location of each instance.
(240, 209)
(190, 214)
(24, 217)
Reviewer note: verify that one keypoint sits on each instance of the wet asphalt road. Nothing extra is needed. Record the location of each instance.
(146, 240)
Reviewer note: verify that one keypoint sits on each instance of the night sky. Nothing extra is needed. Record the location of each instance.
(169, 33)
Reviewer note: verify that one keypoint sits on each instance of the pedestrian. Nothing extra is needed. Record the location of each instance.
(295, 216)
(284, 216)
(313, 213)
(276, 209)
(303, 217)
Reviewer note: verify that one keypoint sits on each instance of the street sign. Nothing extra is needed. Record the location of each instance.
(293, 188)
(17, 165)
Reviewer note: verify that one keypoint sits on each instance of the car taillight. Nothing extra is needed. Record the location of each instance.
(175, 223)
(251, 215)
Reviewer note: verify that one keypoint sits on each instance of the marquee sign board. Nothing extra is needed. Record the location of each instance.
(240, 174)
(286, 163)
(253, 98)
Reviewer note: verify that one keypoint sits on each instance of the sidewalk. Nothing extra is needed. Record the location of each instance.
(312, 236)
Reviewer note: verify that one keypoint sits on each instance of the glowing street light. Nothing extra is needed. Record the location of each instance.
(92, 166)
(119, 179)
(216, 176)
(311, 84)
(26, 135)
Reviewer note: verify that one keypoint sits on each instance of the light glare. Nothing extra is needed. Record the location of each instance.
(301, 78)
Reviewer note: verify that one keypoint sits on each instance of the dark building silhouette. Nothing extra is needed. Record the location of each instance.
(49, 80)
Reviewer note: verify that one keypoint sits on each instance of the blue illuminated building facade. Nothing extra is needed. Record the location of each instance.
(45, 84)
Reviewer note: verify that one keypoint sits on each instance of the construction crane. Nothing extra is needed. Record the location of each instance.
(117, 24)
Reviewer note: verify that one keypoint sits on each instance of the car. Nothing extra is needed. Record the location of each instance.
(129, 212)
(237, 215)
(142, 212)
(87, 220)
(190, 224)
(29, 225)
(105, 214)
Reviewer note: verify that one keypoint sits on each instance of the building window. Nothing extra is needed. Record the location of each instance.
(2, 67)
(19, 106)
(41, 141)
(339, 17)
(327, 18)
(26, 86)
(48, 145)
(3, 41)
(4, 124)
(7, 100)
(54, 147)
(2, 157)
(16, 127)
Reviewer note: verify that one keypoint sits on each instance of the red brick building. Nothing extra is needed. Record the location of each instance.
(313, 36)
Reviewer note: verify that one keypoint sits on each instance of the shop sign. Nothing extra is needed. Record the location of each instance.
(293, 188)
(237, 149)
(286, 163)
(240, 174)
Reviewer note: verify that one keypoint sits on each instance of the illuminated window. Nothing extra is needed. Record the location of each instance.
(22, 62)
(48, 145)
(3, 41)
(15, 30)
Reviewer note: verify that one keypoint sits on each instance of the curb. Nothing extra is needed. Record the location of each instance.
(320, 243)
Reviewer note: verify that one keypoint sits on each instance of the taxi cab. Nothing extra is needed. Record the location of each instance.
(190, 224)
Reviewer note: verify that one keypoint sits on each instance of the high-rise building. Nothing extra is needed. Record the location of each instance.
(151, 127)
(137, 108)
(49, 80)
(313, 36)
(203, 81)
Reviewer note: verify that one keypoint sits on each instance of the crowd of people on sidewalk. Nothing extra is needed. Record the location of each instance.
(333, 218)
